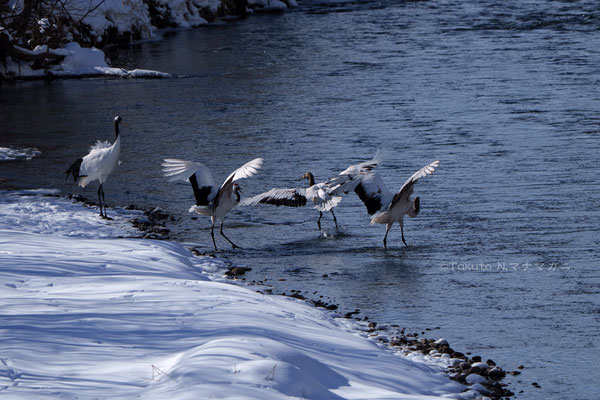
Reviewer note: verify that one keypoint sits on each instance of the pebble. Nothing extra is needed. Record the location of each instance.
(237, 271)
(479, 368)
(496, 373)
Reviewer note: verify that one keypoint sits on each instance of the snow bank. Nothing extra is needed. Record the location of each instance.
(270, 5)
(112, 21)
(40, 211)
(78, 61)
(186, 13)
(84, 62)
(9, 154)
(123, 15)
(87, 317)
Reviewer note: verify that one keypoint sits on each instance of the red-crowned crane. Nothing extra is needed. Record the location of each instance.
(211, 200)
(98, 164)
(369, 186)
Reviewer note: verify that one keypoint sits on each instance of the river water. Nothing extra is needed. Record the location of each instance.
(503, 257)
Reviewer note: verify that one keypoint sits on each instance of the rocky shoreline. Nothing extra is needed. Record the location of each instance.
(49, 39)
(482, 377)
(151, 224)
(469, 370)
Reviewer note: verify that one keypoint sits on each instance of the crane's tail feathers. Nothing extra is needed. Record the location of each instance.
(203, 210)
(415, 207)
(380, 218)
(179, 170)
(74, 170)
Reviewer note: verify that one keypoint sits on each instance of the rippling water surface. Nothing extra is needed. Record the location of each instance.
(504, 255)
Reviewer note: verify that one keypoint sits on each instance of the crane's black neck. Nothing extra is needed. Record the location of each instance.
(116, 129)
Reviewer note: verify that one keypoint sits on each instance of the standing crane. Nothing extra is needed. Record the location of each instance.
(211, 200)
(98, 164)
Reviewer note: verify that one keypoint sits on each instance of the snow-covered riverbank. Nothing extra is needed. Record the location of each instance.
(86, 316)
(64, 39)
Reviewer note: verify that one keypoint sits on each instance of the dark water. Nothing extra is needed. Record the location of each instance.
(504, 255)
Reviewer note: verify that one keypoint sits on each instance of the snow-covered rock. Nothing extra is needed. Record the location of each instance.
(8, 153)
(475, 378)
(80, 61)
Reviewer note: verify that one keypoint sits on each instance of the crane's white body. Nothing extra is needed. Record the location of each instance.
(322, 200)
(100, 162)
(210, 200)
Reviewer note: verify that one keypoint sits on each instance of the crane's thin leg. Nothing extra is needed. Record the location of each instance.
(402, 230)
(335, 220)
(319, 220)
(100, 199)
(387, 229)
(212, 234)
(233, 244)
(104, 202)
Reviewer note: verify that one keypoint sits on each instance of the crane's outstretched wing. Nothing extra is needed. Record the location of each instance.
(407, 189)
(362, 179)
(347, 180)
(278, 197)
(201, 178)
(245, 171)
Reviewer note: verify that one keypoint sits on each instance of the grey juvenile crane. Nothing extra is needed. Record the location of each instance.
(317, 193)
